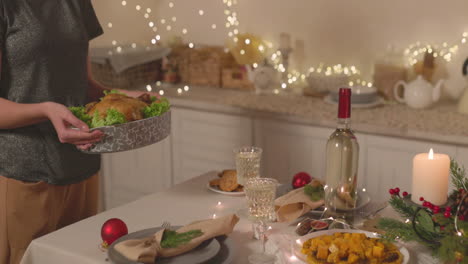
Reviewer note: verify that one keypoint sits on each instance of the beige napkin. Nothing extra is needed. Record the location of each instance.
(293, 205)
(147, 249)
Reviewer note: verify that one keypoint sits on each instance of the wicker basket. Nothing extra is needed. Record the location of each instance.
(131, 78)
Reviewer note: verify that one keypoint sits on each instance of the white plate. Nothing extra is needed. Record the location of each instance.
(217, 190)
(301, 240)
(377, 102)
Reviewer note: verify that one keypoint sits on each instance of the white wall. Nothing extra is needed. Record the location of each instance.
(335, 31)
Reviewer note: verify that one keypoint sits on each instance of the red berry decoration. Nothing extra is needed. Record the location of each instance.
(461, 217)
(426, 204)
(421, 198)
(447, 214)
(448, 209)
(405, 194)
(397, 190)
(112, 230)
(391, 192)
(301, 179)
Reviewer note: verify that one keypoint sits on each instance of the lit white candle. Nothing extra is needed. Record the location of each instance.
(430, 177)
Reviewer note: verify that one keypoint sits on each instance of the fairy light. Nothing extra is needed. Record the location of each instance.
(191, 45)
(276, 91)
(148, 10)
(261, 48)
(109, 25)
(134, 45)
(184, 31)
(247, 41)
(242, 52)
(284, 85)
(213, 26)
(155, 29)
(153, 41)
(149, 88)
(293, 258)
(124, 3)
(158, 37)
(174, 19)
(171, 4)
(161, 92)
(146, 15)
(138, 7)
(119, 49)
(151, 24)
(187, 88)
(179, 90)
(201, 12)
(163, 21)
(230, 34)
(114, 42)
(158, 83)
(168, 27)
(255, 65)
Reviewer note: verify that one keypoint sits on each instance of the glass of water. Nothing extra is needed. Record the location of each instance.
(247, 163)
(261, 194)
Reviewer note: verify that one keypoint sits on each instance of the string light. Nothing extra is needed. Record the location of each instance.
(148, 10)
(247, 41)
(171, 4)
(158, 37)
(119, 49)
(151, 24)
(213, 26)
(255, 65)
(109, 25)
(138, 7)
(242, 52)
(124, 3)
(163, 21)
(201, 12)
(174, 19)
(114, 42)
(149, 88)
(187, 88)
(161, 92)
(191, 45)
(153, 41)
(134, 45)
(146, 15)
(179, 91)
(168, 27)
(184, 31)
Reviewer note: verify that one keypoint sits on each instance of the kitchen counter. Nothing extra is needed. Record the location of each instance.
(440, 123)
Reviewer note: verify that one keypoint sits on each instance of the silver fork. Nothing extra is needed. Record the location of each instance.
(166, 225)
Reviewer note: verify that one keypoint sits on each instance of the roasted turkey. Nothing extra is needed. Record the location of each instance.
(131, 107)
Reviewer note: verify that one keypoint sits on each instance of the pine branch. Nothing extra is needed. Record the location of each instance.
(459, 179)
(395, 229)
(402, 207)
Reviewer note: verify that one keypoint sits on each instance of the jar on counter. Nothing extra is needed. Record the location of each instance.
(388, 70)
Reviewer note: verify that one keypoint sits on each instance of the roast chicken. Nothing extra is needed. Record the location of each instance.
(131, 107)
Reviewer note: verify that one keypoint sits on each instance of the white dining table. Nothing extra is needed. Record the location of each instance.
(186, 202)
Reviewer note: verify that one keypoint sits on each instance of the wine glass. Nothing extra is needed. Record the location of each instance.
(247, 163)
(260, 194)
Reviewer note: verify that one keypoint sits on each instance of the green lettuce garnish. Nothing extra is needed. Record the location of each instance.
(113, 91)
(156, 108)
(80, 113)
(113, 117)
(172, 239)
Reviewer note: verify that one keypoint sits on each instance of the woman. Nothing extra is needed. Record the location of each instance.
(45, 182)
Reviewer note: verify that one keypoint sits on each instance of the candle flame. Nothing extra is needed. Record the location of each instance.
(431, 154)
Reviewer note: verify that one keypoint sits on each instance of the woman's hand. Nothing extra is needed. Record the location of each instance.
(63, 120)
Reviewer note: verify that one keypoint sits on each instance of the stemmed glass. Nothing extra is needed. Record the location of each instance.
(247, 163)
(261, 193)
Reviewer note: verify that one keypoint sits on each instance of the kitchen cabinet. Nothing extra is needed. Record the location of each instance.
(129, 175)
(389, 162)
(204, 141)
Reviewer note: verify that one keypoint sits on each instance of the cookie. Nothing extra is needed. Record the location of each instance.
(228, 182)
(239, 188)
(215, 182)
(226, 172)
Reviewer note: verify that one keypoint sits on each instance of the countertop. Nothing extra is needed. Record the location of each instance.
(441, 123)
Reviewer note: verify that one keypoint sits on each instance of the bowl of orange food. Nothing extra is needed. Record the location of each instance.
(348, 246)
(127, 123)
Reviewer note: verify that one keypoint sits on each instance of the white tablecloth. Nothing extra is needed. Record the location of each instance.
(186, 202)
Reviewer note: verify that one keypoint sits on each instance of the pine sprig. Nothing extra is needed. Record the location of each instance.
(395, 229)
(458, 174)
(172, 239)
(402, 207)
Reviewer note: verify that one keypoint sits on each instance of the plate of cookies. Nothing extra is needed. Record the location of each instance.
(226, 184)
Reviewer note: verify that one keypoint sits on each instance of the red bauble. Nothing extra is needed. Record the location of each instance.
(301, 179)
(113, 229)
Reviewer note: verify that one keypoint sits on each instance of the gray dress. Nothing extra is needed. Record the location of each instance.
(44, 46)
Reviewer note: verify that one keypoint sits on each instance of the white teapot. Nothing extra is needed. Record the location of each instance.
(418, 93)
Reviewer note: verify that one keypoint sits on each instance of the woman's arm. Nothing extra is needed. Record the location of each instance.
(15, 115)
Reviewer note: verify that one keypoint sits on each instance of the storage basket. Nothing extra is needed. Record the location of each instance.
(130, 78)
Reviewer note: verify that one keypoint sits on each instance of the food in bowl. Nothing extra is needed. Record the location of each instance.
(360, 95)
(351, 248)
(118, 108)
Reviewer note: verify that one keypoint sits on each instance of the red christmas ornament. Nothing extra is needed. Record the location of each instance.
(111, 230)
(301, 179)
(405, 194)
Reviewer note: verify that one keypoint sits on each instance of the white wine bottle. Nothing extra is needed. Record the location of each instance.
(342, 160)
